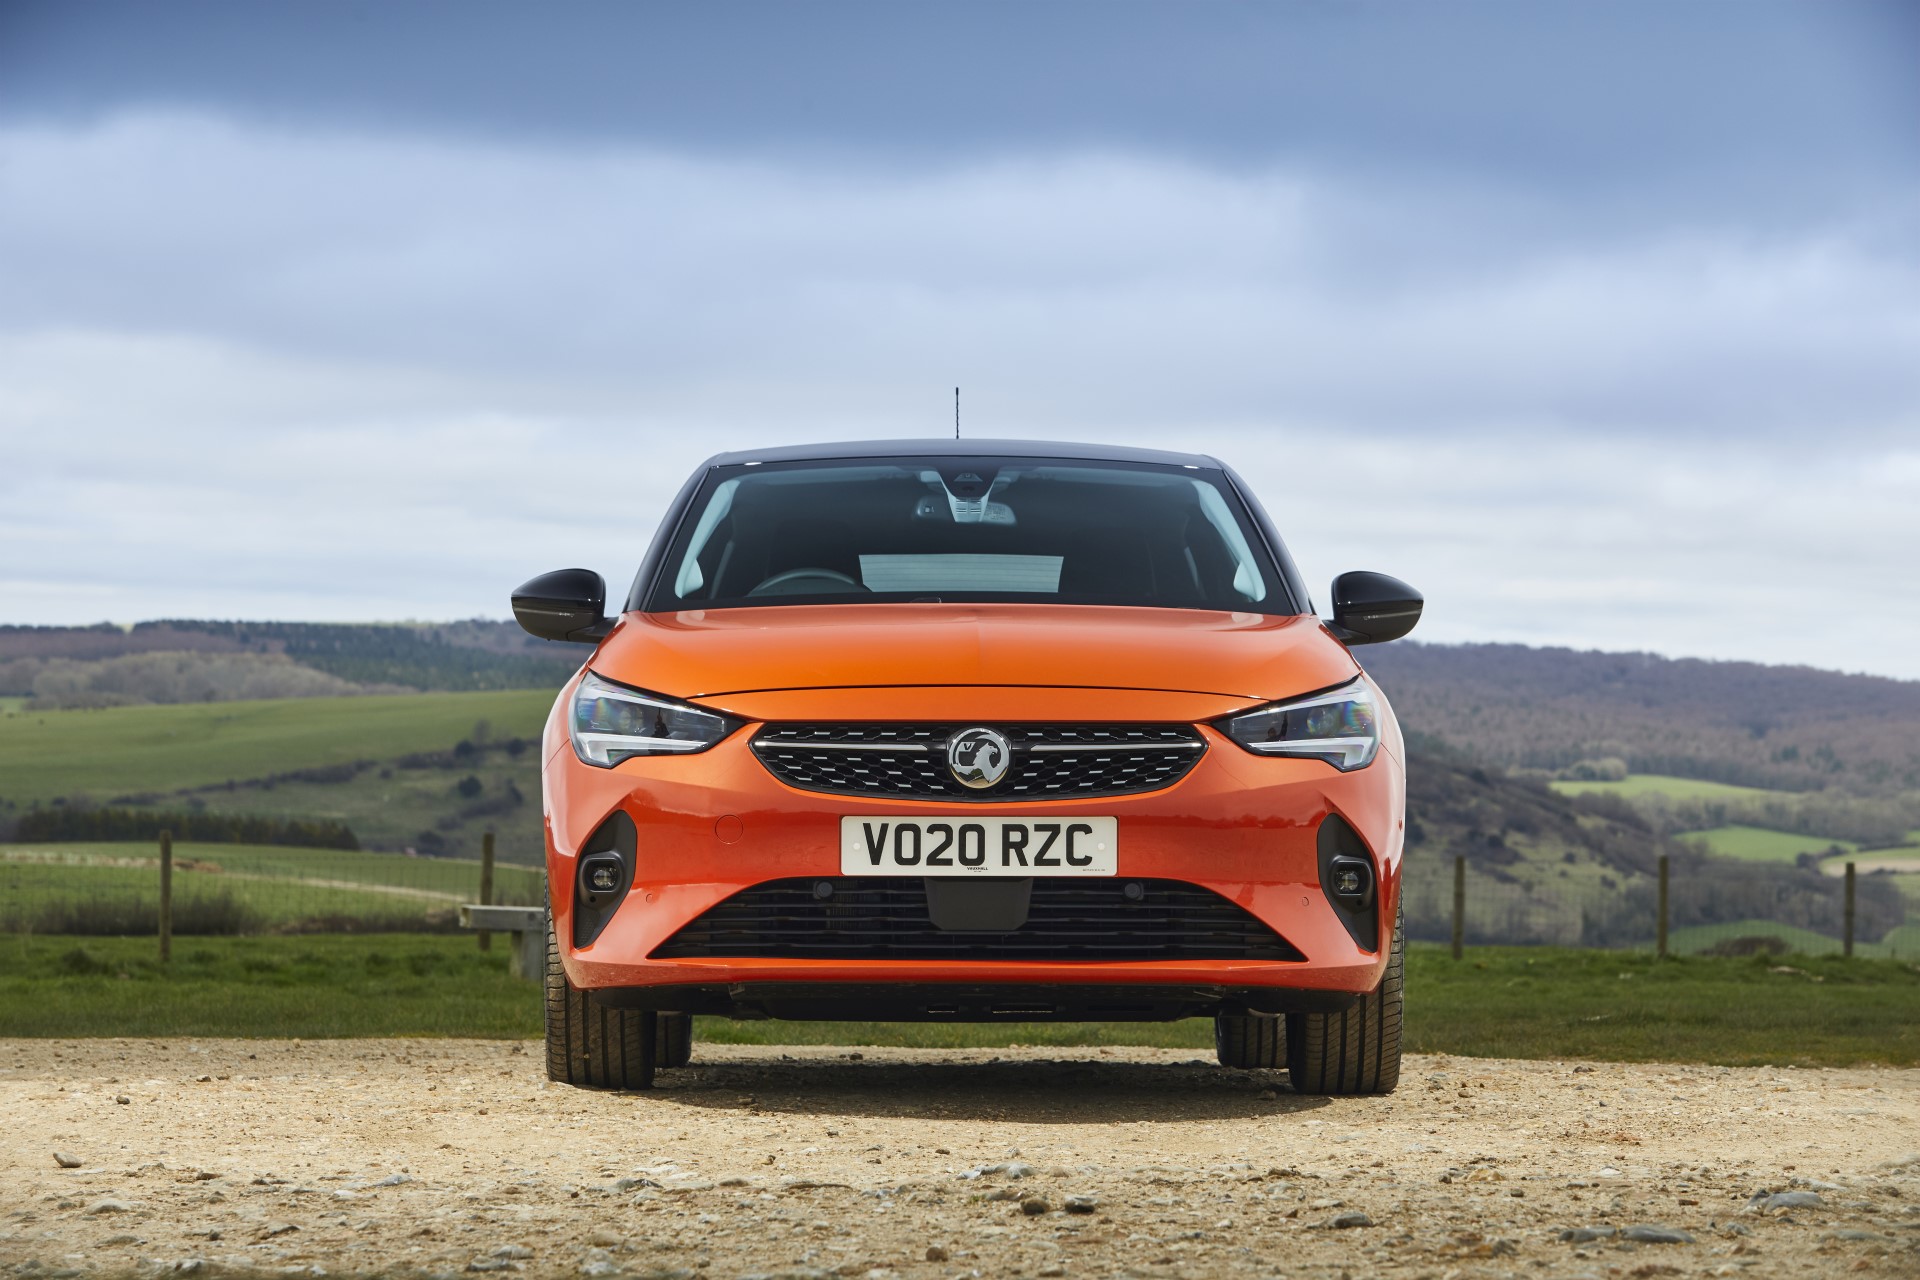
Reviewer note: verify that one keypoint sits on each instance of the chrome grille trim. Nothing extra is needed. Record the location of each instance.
(1132, 746)
(1051, 761)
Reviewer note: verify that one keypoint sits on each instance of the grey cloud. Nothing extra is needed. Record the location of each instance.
(1623, 544)
(1155, 291)
(264, 372)
(1788, 106)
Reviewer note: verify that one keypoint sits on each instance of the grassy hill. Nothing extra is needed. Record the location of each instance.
(1638, 785)
(1758, 845)
(62, 664)
(122, 750)
(1759, 764)
(429, 771)
(1787, 728)
(1547, 868)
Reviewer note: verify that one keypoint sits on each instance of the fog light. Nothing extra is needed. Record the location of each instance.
(608, 858)
(602, 877)
(1351, 881)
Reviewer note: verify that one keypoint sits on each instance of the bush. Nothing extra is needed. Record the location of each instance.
(210, 915)
(419, 920)
(1763, 945)
(84, 962)
(70, 823)
(138, 678)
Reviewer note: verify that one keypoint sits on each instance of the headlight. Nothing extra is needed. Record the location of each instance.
(1341, 727)
(611, 723)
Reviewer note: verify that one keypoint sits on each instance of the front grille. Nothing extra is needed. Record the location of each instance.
(1050, 761)
(887, 919)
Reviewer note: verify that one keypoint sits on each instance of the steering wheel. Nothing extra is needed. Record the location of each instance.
(787, 582)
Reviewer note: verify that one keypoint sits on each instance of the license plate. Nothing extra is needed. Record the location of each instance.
(968, 846)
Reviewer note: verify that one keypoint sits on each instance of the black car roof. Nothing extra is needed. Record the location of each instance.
(936, 448)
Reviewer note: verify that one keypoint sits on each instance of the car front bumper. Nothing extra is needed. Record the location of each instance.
(712, 824)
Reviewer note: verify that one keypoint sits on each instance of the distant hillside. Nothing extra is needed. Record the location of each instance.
(1558, 711)
(1791, 728)
(96, 666)
(1546, 868)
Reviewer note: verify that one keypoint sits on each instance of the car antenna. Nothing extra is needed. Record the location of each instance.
(956, 413)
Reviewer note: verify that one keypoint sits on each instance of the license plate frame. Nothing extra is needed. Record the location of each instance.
(1077, 845)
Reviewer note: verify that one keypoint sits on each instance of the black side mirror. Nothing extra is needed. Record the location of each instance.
(1371, 608)
(567, 604)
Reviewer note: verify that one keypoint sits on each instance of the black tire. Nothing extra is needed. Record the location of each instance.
(674, 1044)
(1354, 1051)
(1243, 1040)
(592, 1047)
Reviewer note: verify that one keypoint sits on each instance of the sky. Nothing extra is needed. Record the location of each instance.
(1598, 323)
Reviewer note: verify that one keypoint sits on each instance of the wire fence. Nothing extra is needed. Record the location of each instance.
(1697, 907)
(1707, 906)
(116, 889)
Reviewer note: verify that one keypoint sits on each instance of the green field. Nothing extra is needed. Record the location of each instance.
(123, 750)
(1901, 943)
(228, 886)
(1755, 844)
(1904, 860)
(1499, 1002)
(391, 806)
(310, 986)
(1636, 785)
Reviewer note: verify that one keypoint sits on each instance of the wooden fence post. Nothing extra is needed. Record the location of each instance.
(1660, 929)
(486, 884)
(1847, 936)
(166, 897)
(1459, 904)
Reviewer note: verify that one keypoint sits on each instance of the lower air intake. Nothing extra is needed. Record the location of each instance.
(887, 919)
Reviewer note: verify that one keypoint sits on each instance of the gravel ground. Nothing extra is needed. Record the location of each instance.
(425, 1157)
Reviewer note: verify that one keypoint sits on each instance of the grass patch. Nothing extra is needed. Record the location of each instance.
(1900, 943)
(1513, 1002)
(1635, 785)
(1521, 1002)
(115, 888)
(311, 987)
(1755, 844)
(45, 754)
(1498, 1002)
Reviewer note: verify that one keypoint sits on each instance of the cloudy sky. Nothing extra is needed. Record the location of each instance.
(1600, 324)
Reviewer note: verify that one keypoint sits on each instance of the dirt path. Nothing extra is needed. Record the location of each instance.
(423, 1157)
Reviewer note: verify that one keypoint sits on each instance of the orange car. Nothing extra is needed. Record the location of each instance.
(993, 730)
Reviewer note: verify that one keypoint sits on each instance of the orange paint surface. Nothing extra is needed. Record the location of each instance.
(1240, 824)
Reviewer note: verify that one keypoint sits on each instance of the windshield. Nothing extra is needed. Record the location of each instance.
(965, 530)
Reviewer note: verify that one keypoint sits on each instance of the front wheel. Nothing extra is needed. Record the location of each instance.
(1356, 1050)
(1248, 1041)
(675, 1040)
(589, 1046)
